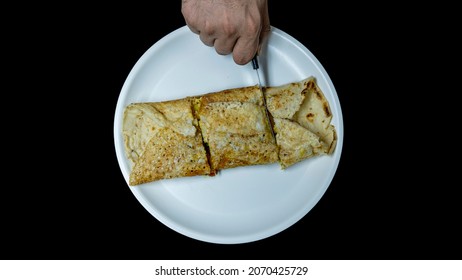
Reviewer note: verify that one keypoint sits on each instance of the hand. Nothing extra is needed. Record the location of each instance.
(230, 26)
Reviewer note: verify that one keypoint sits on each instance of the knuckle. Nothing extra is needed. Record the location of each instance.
(208, 29)
(230, 30)
(253, 27)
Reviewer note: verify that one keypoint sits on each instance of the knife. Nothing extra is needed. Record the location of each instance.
(256, 67)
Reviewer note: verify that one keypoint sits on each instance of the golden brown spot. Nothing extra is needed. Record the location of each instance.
(325, 106)
(318, 94)
(310, 85)
(310, 117)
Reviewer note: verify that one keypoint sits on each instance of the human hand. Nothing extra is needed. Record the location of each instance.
(239, 27)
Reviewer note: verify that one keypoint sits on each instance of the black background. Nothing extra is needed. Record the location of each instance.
(64, 196)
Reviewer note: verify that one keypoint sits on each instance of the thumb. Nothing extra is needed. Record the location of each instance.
(265, 30)
(263, 39)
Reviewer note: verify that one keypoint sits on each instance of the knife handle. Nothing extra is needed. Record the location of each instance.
(255, 63)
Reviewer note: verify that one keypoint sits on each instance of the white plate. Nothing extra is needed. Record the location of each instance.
(242, 204)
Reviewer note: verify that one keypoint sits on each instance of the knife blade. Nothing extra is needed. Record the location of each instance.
(256, 67)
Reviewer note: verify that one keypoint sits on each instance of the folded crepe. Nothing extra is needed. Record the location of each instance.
(203, 134)
(235, 128)
(162, 141)
(301, 121)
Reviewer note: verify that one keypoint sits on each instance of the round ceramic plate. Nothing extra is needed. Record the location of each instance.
(242, 204)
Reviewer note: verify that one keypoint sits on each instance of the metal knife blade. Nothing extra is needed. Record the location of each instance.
(256, 67)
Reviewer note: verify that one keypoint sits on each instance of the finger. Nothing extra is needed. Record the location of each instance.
(244, 50)
(207, 40)
(194, 30)
(225, 46)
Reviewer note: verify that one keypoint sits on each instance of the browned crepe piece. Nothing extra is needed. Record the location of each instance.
(315, 115)
(295, 142)
(162, 141)
(301, 120)
(235, 128)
